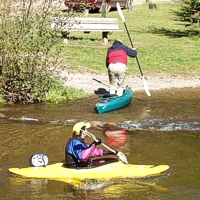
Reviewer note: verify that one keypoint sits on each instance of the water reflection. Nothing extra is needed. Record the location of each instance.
(114, 189)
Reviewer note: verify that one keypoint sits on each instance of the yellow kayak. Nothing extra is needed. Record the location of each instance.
(115, 169)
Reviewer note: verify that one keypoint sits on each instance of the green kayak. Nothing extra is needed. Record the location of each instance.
(113, 102)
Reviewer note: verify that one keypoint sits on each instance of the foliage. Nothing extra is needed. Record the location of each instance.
(192, 4)
(79, 5)
(2, 100)
(187, 7)
(27, 62)
(58, 93)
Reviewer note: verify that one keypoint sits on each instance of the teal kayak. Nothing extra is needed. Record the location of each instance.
(109, 102)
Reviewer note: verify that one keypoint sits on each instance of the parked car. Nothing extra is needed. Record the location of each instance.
(81, 5)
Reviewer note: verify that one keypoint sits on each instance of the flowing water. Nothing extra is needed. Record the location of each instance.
(162, 129)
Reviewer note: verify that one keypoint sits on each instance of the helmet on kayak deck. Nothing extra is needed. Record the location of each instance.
(37, 160)
(80, 125)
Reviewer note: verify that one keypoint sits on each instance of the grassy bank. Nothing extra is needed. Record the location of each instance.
(163, 42)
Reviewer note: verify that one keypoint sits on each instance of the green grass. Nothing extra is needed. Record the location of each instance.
(163, 42)
(59, 93)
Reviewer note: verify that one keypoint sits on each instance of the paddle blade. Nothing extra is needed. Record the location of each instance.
(122, 157)
(120, 11)
(146, 88)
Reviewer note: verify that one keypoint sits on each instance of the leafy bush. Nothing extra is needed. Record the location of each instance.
(26, 62)
(58, 93)
(188, 6)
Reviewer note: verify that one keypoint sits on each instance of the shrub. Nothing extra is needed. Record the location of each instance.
(27, 62)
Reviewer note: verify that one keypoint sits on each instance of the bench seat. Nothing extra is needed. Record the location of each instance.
(86, 25)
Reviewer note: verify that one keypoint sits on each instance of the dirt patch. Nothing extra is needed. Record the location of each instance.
(86, 81)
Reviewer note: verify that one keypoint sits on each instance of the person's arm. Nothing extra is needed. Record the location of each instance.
(82, 152)
(91, 151)
(132, 52)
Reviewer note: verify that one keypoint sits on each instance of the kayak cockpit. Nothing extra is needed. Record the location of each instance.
(93, 163)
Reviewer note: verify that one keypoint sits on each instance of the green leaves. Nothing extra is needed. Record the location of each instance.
(58, 93)
(26, 51)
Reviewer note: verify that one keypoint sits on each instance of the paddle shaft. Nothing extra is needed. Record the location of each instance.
(95, 139)
(102, 82)
(99, 82)
(123, 19)
(133, 47)
(112, 150)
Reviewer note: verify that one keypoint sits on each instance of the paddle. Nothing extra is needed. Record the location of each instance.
(103, 83)
(123, 19)
(100, 82)
(121, 156)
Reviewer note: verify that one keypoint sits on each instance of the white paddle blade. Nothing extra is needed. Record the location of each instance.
(122, 157)
(120, 11)
(146, 87)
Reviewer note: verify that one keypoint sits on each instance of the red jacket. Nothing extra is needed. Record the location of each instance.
(119, 53)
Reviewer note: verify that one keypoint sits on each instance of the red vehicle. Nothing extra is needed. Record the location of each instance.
(81, 5)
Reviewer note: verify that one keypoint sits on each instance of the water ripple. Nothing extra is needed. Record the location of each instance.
(160, 124)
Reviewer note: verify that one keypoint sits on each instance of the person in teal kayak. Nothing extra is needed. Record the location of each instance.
(77, 152)
(116, 62)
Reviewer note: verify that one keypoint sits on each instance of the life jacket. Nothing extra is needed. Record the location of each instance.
(71, 160)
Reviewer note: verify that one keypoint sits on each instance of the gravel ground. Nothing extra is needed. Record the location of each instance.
(86, 81)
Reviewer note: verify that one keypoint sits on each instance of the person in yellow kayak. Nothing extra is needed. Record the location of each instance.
(78, 152)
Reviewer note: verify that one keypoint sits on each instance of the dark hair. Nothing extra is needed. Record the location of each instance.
(82, 129)
(79, 135)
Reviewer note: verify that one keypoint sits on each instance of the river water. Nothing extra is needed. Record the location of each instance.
(162, 129)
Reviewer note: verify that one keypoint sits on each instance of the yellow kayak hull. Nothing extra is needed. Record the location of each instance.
(75, 176)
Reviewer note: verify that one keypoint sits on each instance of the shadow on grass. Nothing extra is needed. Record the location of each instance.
(182, 17)
(174, 33)
(81, 38)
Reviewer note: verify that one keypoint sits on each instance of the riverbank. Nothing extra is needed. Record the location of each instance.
(86, 81)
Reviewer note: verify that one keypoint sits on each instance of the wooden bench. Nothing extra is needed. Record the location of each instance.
(86, 25)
